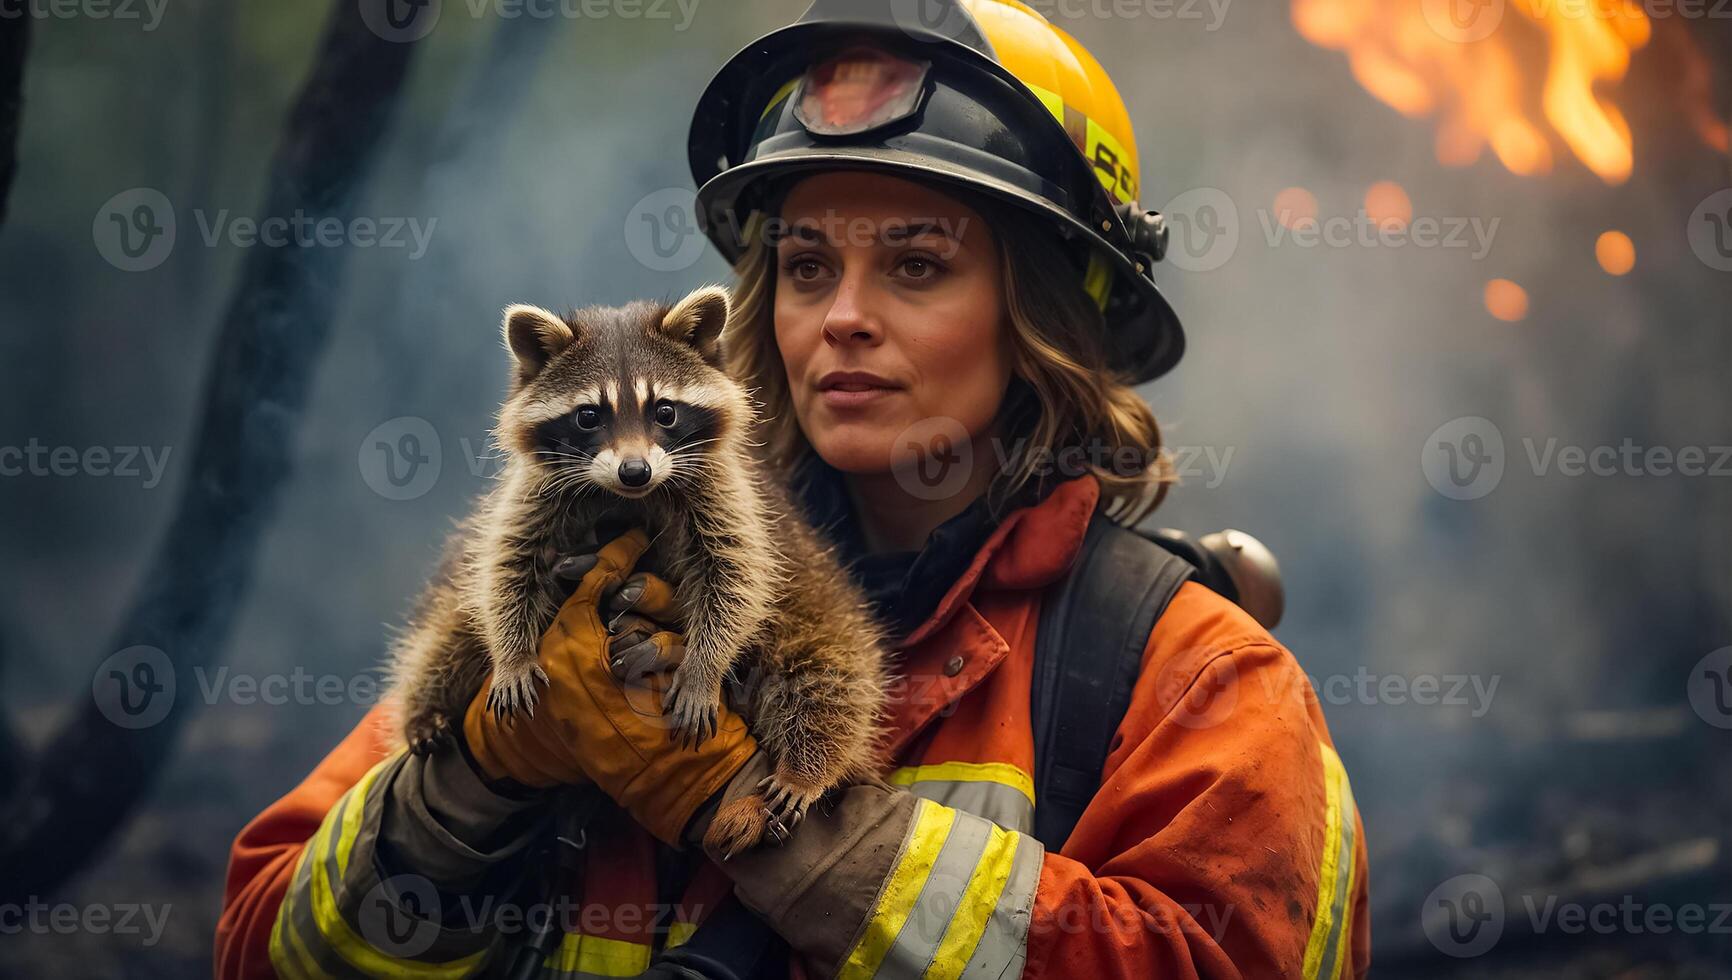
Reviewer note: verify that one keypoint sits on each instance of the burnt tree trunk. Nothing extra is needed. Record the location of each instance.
(14, 42)
(88, 777)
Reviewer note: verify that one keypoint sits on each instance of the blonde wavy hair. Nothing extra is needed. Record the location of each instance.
(1063, 401)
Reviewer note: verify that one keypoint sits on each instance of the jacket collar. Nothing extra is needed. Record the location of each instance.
(1030, 549)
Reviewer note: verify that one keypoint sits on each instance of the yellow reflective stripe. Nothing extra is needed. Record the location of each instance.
(308, 967)
(1112, 168)
(336, 932)
(989, 772)
(599, 956)
(352, 817)
(303, 962)
(931, 825)
(1050, 99)
(291, 958)
(1336, 947)
(1003, 947)
(1333, 887)
(979, 899)
(680, 933)
(1339, 967)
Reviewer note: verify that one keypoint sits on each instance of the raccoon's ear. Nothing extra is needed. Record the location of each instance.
(534, 335)
(698, 320)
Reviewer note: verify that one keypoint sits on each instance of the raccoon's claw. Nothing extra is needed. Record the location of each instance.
(693, 714)
(785, 803)
(515, 690)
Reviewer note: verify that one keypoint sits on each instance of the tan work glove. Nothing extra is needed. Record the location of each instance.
(590, 726)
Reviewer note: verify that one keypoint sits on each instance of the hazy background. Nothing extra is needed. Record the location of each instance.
(1596, 767)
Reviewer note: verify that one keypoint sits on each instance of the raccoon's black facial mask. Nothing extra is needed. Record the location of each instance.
(630, 450)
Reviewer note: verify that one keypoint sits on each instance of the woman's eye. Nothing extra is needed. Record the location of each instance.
(588, 417)
(665, 414)
(919, 268)
(803, 268)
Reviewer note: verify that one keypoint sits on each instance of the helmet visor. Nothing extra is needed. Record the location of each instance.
(857, 90)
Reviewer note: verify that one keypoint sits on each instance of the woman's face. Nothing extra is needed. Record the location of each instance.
(889, 316)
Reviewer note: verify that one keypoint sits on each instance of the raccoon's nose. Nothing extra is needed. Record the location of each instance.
(634, 472)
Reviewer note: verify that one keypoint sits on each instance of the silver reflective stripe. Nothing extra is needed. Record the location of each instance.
(930, 917)
(1004, 805)
(1003, 947)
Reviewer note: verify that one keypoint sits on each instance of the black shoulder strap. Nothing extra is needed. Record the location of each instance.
(1087, 651)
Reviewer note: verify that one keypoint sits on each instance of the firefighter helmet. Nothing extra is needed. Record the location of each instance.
(982, 94)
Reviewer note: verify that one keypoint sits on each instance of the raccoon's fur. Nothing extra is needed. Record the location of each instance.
(609, 397)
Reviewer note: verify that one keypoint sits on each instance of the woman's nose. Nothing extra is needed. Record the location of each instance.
(852, 319)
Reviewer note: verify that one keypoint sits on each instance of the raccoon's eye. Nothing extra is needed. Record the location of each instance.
(588, 417)
(665, 414)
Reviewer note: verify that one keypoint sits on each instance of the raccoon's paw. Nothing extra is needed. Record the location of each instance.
(737, 826)
(428, 731)
(772, 812)
(515, 689)
(691, 705)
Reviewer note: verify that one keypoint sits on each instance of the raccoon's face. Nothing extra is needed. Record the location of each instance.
(626, 398)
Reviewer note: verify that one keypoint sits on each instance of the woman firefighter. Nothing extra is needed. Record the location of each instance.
(1219, 837)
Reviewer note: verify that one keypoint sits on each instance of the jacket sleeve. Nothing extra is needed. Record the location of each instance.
(354, 870)
(1224, 842)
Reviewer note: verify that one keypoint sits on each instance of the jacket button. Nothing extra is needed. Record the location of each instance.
(953, 666)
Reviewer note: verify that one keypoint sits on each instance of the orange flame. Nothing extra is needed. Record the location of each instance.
(1424, 57)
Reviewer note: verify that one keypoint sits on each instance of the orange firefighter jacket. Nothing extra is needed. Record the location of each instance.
(1223, 842)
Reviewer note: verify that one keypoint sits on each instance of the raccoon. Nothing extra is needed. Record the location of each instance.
(624, 416)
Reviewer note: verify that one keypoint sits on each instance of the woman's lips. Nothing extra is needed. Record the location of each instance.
(854, 395)
(853, 389)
